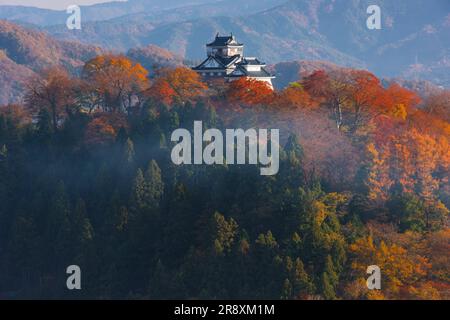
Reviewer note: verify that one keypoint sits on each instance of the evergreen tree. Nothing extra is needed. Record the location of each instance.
(328, 291)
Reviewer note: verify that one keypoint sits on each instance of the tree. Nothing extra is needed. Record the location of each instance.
(287, 290)
(82, 232)
(376, 179)
(250, 91)
(116, 82)
(294, 96)
(407, 211)
(327, 287)
(356, 97)
(365, 99)
(302, 283)
(439, 105)
(44, 128)
(330, 279)
(331, 91)
(148, 188)
(401, 98)
(224, 234)
(293, 146)
(176, 85)
(401, 269)
(129, 151)
(103, 128)
(54, 91)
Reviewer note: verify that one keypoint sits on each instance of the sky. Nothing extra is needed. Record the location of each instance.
(51, 4)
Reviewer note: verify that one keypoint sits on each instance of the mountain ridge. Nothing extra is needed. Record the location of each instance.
(328, 30)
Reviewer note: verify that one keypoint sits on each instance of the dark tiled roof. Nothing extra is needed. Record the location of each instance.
(227, 61)
(223, 41)
(252, 61)
(240, 72)
(221, 62)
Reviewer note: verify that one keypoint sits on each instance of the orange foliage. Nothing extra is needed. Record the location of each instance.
(400, 96)
(250, 91)
(103, 128)
(116, 80)
(403, 272)
(438, 249)
(54, 91)
(176, 85)
(419, 162)
(294, 96)
(356, 97)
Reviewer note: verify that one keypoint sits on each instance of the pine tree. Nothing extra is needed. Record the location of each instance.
(155, 184)
(148, 189)
(139, 190)
(287, 290)
(293, 146)
(129, 151)
(224, 233)
(302, 282)
(327, 287)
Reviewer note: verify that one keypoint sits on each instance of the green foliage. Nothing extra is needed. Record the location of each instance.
(142, 227)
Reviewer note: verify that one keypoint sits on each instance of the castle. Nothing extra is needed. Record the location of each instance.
(226, 60)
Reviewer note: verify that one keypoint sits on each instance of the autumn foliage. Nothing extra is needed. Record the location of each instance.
(249, 91)
(176, 85)
(115, 82)
(363, 180)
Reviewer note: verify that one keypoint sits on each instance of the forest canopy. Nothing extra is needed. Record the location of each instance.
(86, 179)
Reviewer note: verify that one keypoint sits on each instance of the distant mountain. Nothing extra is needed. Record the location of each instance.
(134, 30)
(288, 72)
(414, 33)
(424, 54)
(24, 52)
(37, 50)
(268, 34)
(152, 56)
(98, 12)
(13, 78)
(423, 87)
(413, 43)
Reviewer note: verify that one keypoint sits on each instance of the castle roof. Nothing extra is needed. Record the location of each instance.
(242, 72)
(217, 62)
(252, 61)
(222, 41)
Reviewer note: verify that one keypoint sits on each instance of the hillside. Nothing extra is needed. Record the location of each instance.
(292, 71)
(357, 175)
(25, 52)
(13, 78)
(37, 50)
(287, 72)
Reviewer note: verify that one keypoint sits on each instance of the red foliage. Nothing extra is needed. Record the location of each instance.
(176, 85)
(294, 96)
(103, 128)
(250, 91)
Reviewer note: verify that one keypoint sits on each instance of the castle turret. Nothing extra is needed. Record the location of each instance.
(226, 60)
(225, 47)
